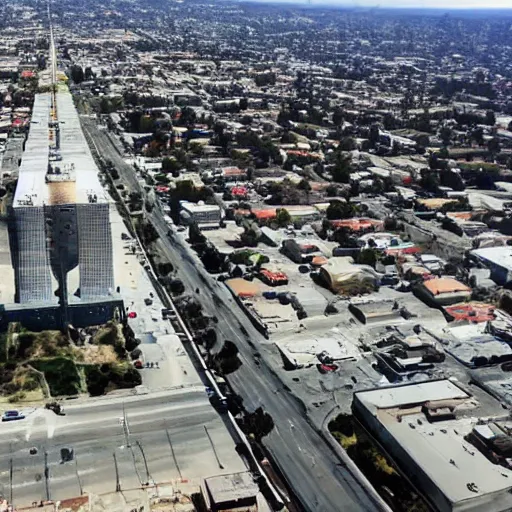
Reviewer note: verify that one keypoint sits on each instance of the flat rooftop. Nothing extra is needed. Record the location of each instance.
(438, 449)
(31, 188)
(78, 181)
(232, 488)
(501, 256)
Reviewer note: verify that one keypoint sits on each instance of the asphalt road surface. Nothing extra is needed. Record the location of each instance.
(315, 474)
(165, 440)
(100, 141)
(312, 470)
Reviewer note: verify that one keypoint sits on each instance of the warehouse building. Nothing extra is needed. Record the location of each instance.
(433, 433)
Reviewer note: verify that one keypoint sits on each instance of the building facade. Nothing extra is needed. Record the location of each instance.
(60, 213)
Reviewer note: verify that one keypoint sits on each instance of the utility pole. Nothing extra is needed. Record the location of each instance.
(126, 428)
(78, 478)
(10, 475)
(118, 483)
(173, 454)
(148, 477)
(46, 475)
(10, 482)
(213, 447)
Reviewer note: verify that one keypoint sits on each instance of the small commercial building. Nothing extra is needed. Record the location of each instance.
(427, 431)
(474, 312)
(443, 291)
(234, 174)
(273, 278)
(358, 224)
(498, 260)
(343, 277)
(237, 491)
(205, 215)
(301, 250)
(242, 288)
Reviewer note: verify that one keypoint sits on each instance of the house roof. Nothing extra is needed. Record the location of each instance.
(445, 285)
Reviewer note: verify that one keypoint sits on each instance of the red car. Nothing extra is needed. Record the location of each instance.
(132, 314)
(138, 364)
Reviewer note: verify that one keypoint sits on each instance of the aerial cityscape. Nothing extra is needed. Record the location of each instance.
(255, 257)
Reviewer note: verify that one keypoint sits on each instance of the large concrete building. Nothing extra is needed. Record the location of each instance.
(61, 243)
(454, 449)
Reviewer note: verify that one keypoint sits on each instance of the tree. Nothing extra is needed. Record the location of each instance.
(105, 105)
(374, 135)
(196, 149)
(135, 201)
(249, 237)
(490, 118)
(170, 165)
(176, 286)
(367, 257)
(347, 144)
(430, 181)
(149, 233)
(331, 190)
(88, 74)
(262, 79)
(344, 237)
(337, 116)
(339, 210)
(77, 74)
(146, 124)
(494, 146)
(304, 185)
(283, 217)
(433, 161)
(289, 137)
(378, 186)
(342, 167)
(446, 134)
(478, 135)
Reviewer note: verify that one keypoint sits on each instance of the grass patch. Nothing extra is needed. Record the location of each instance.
(17, 379)
(98, 364)
(345, 441)
(108, 376)
(33, 345)
(475, 166)
(393, 488)
(61, 374)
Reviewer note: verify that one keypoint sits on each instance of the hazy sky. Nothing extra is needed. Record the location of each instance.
(436, 4)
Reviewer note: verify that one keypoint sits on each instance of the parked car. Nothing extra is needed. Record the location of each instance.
(12, 416)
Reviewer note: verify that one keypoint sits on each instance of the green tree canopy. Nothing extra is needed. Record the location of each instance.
(283, 217)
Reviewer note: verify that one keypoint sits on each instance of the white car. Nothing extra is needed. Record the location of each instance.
(12, 416)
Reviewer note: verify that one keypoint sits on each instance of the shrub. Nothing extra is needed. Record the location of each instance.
(60, 373)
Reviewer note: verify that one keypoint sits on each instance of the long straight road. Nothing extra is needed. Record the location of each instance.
(166, 431)
(312, 470)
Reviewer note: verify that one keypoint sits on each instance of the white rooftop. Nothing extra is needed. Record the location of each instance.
(32, 189)
(75, 150)
(501, 256)
(383, 398)
(439, 448)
